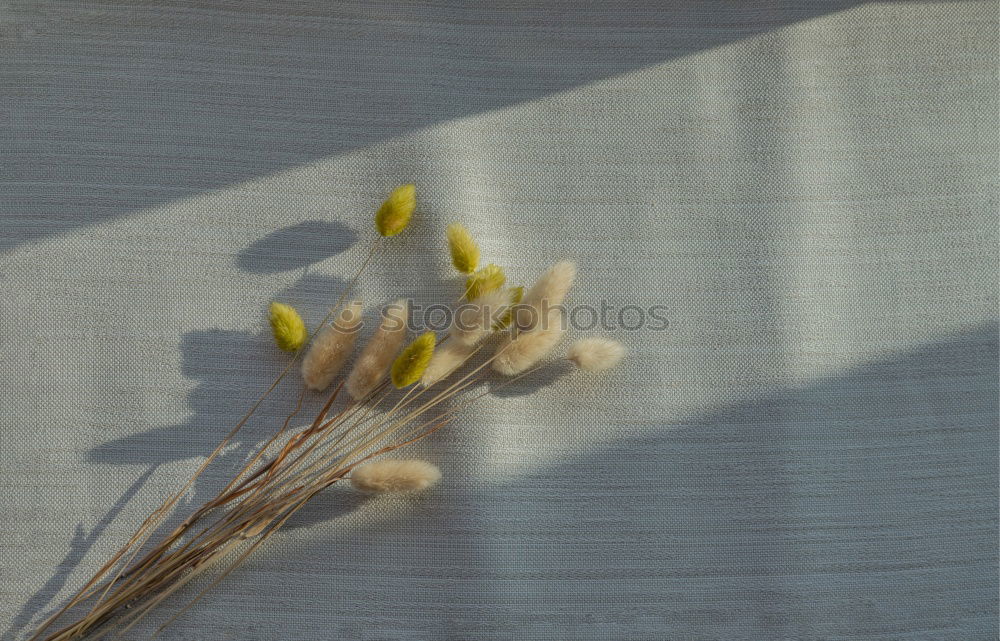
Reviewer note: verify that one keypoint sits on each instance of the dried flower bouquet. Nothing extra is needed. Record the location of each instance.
(346, 440)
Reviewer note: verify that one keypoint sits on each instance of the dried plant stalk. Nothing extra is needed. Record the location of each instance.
(287, 470)
(97, 588)
(259, 499)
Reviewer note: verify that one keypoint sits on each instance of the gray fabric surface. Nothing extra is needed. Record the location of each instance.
(808, 452)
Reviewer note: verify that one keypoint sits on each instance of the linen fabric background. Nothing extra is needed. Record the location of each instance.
(807, 452)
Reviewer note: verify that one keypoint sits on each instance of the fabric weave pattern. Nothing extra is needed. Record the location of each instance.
(807, 452)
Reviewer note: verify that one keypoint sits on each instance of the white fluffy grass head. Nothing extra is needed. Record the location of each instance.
(331, 347)
(553, 284)
(514, 355)
(446, 359)
(377, 356)
(549, 291)
(475, 320)
(395, 475)
(596, 354)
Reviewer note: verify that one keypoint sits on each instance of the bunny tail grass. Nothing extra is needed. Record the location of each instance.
(394, 214)
(516, 294)
(331, 347)
(446, 360)
(549, 291)
(475, 320)
(595, 354)
(409, 366)
(464, 251)
(289, 331)
(514, 355)
(395, 475)
(485, 280)
(377, 356)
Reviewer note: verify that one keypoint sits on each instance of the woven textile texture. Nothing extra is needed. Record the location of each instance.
(808, 190)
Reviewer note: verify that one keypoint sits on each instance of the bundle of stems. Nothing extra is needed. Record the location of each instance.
(292, 466)
(262, 496)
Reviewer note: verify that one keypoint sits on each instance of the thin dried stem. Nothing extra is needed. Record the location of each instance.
(146, 529)
(261, 497)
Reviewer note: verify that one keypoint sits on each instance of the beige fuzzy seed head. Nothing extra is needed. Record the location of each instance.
(514, 355)
(331, 347)
(395, 475)
(549, 291)
(377, 356)
(595, 354)
(553, 285)
(446, 360)
(516, 294)
(475, 320)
